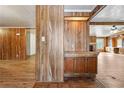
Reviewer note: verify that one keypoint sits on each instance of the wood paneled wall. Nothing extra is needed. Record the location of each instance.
(77, 14)
(106, 41)
(49, 55)
(76, 36)
(114, 42)
(92, 39)
(12, 43)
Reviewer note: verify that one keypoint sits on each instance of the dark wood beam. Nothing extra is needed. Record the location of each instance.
(106, 23)
(95, 11)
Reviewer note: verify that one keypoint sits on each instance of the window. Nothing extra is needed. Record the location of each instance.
(99, 43)
(119, 42)
(110, 42)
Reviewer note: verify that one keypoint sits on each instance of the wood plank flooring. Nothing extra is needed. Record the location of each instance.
(111, 70)
(22, 74)
(17, 73)
(81, 82)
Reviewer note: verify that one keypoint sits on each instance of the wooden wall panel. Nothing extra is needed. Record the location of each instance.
(92, 39)
(69, 35)
(0, 46)
(12, 46)
(50, 56)
(106, 41)
(22, 47)
(114, 42)
(76, 36)
(78, 14)
(81, 37)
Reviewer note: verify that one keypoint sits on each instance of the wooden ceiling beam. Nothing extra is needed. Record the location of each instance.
(95, 11)
(106, 23)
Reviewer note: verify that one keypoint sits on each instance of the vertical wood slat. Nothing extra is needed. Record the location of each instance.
(76, 36)
(69, 35)
(50, 52)
(12, 45)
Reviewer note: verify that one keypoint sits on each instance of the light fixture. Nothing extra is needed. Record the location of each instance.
(114, 27)
(76, 18)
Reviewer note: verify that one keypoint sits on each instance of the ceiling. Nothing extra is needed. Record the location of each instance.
(24, 15)
(17, 16)
(111, 13)
(79, 8)
(103, 31)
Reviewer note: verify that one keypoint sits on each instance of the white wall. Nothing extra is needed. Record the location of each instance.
(31, 42)
(119, 42)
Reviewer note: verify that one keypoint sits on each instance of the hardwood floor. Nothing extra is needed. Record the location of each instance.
(22, 74)
(17, 73)
(75, 82)
(111, 70)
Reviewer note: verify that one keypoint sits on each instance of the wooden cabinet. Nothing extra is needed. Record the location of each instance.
(80, 65)
(69, 65)
(92, 65)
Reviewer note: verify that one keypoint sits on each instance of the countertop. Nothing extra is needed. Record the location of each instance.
(80, 54)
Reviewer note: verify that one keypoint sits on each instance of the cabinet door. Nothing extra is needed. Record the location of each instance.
(69, 65)
(92, 64)
(80, 65)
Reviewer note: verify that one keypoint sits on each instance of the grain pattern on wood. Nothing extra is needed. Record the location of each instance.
(77, 14)
(80, 65)
(92, 39)
(69, 65)
(69, 35)
(92, 65)
(50, 52)
(114, 42)
(81, 37)
(13, 43)
(76, 36)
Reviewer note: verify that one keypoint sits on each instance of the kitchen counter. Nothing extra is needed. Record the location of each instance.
(80, 54)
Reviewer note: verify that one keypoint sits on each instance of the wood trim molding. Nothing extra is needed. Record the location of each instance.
(106, 23)
(96, 10)
(76, 14)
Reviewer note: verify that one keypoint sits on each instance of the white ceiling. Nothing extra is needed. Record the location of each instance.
(79, 8)
(111, 13)
(103, 30)
(17, 16)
